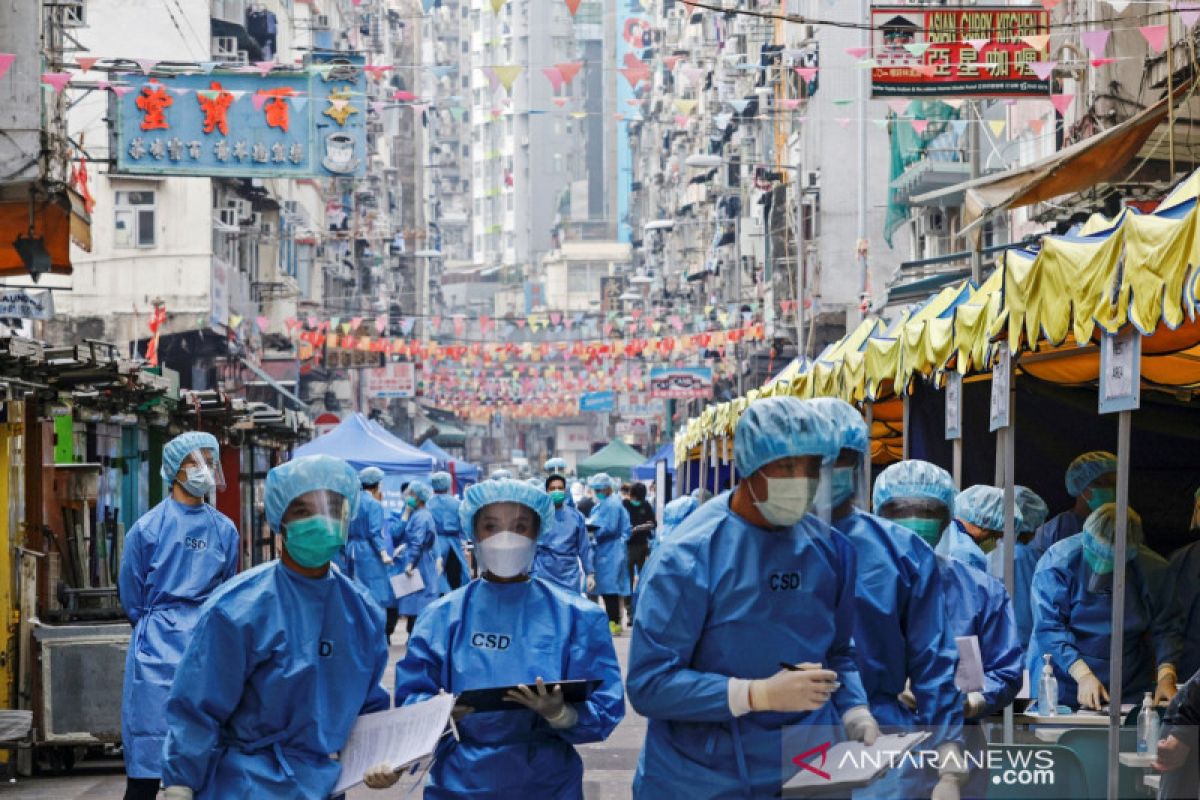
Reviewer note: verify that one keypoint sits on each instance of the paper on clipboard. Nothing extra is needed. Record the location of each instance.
(405, 584)
(968, 676)
(402, 736)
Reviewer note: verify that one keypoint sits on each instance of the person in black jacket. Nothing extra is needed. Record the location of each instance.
(1179, 746)
(643, 522)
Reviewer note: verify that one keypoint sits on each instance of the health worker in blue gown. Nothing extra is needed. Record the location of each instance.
(367, 555)
(1072, 615)
(284, 658)
(175, 556)
(1032, 514)
(508, 629)
(443, 506)
(753, 583)
(1092, 481)
(899, 635)
(674, 513)
(610, 528)
(564, 554)
(420, 553)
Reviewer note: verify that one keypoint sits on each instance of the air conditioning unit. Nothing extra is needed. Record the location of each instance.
(224, 48)
(74, 13)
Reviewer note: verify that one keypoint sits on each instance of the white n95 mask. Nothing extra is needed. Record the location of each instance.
(788, 500)
(506, 554)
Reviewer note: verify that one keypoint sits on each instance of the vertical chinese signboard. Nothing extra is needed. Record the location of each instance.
(309, 123)
(970, 51)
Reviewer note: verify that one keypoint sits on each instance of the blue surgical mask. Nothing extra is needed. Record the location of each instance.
(928, 529)
(199, 482)
(1098, 496)
(841, 485)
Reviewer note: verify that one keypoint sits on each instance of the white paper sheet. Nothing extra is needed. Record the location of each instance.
(968, 676)
(399, 737)
(852, 764)
(404, 584)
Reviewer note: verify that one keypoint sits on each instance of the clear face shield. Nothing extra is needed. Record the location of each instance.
(200, 473)
(925, 517)
(315, 526)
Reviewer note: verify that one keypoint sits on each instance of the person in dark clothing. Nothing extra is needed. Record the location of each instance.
(1179, 747)
(643, 522)
(586, 505)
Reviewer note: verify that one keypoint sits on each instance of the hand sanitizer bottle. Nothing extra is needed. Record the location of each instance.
(1047, 690)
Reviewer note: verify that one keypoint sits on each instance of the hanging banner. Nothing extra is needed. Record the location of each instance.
(953, 396)
(972, 51)
(1001, 384)
(681, 383)
(1121, 371)
(284, 124)
(21, 304)
(396, 380)
(598, 401)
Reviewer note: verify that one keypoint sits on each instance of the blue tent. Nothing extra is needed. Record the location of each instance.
(363, 443)
(465, 473)
(648, 470)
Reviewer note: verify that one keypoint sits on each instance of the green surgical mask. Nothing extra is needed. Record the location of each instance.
(841, 486)
(314, 541)
(1101, 496)
(558, 497)
(412, 502)
(928, 529)
(635, 503)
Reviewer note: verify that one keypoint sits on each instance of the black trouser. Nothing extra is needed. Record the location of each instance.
(636, 554)
(409, 622)
(393, 619)
(141, 788)
(454, 571)
(612, 604)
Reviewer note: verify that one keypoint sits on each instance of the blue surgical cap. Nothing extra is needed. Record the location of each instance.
(851, 427)
(371, 476)
(420, 490)
(600, 481)
(440, 481)
(534, 482)
(782, 427)
(1086, 468)
(701, 494)
(181, 447)
(906, 480)
(500, 475)
(555, 465)
(504, 491)
(1033, 510)
(309, 474)
(678, 509)
(956, 543)
(984, 506)
(1102, 524)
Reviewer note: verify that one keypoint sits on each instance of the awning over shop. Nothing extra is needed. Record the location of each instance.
(58, 221)
(1098, 158)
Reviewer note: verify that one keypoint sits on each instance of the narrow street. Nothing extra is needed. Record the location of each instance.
(609, 766)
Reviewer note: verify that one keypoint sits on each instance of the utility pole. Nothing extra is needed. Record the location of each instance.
(863, 248)
(801, 267)
(973, 150)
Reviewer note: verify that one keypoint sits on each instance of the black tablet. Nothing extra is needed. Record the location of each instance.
(493, 699)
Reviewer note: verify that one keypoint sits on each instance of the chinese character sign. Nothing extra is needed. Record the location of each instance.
(284, 124)
(975, 51)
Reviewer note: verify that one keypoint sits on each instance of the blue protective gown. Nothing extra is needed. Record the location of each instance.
(449, 543)
(1054, 530)
(175, 556)
(725, 599)
(900, 626)
(611, 533)
(1185, 585)
(364, 545)
(499, 634)
(674, 513)
(420, 537)
(278, 670)
(1072, 622)
(1024, 563)
(978, 605)
(562, 549)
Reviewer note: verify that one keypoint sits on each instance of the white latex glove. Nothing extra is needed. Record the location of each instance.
(439, 566)
(907, 698)
(591, 584)
(550, 704)
(1092, 693)
(409, 570)
(860, 725)
(387, 559)
(381, 776)
(973, 705)
(805, 689)
(177, 793)
(947, 788)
